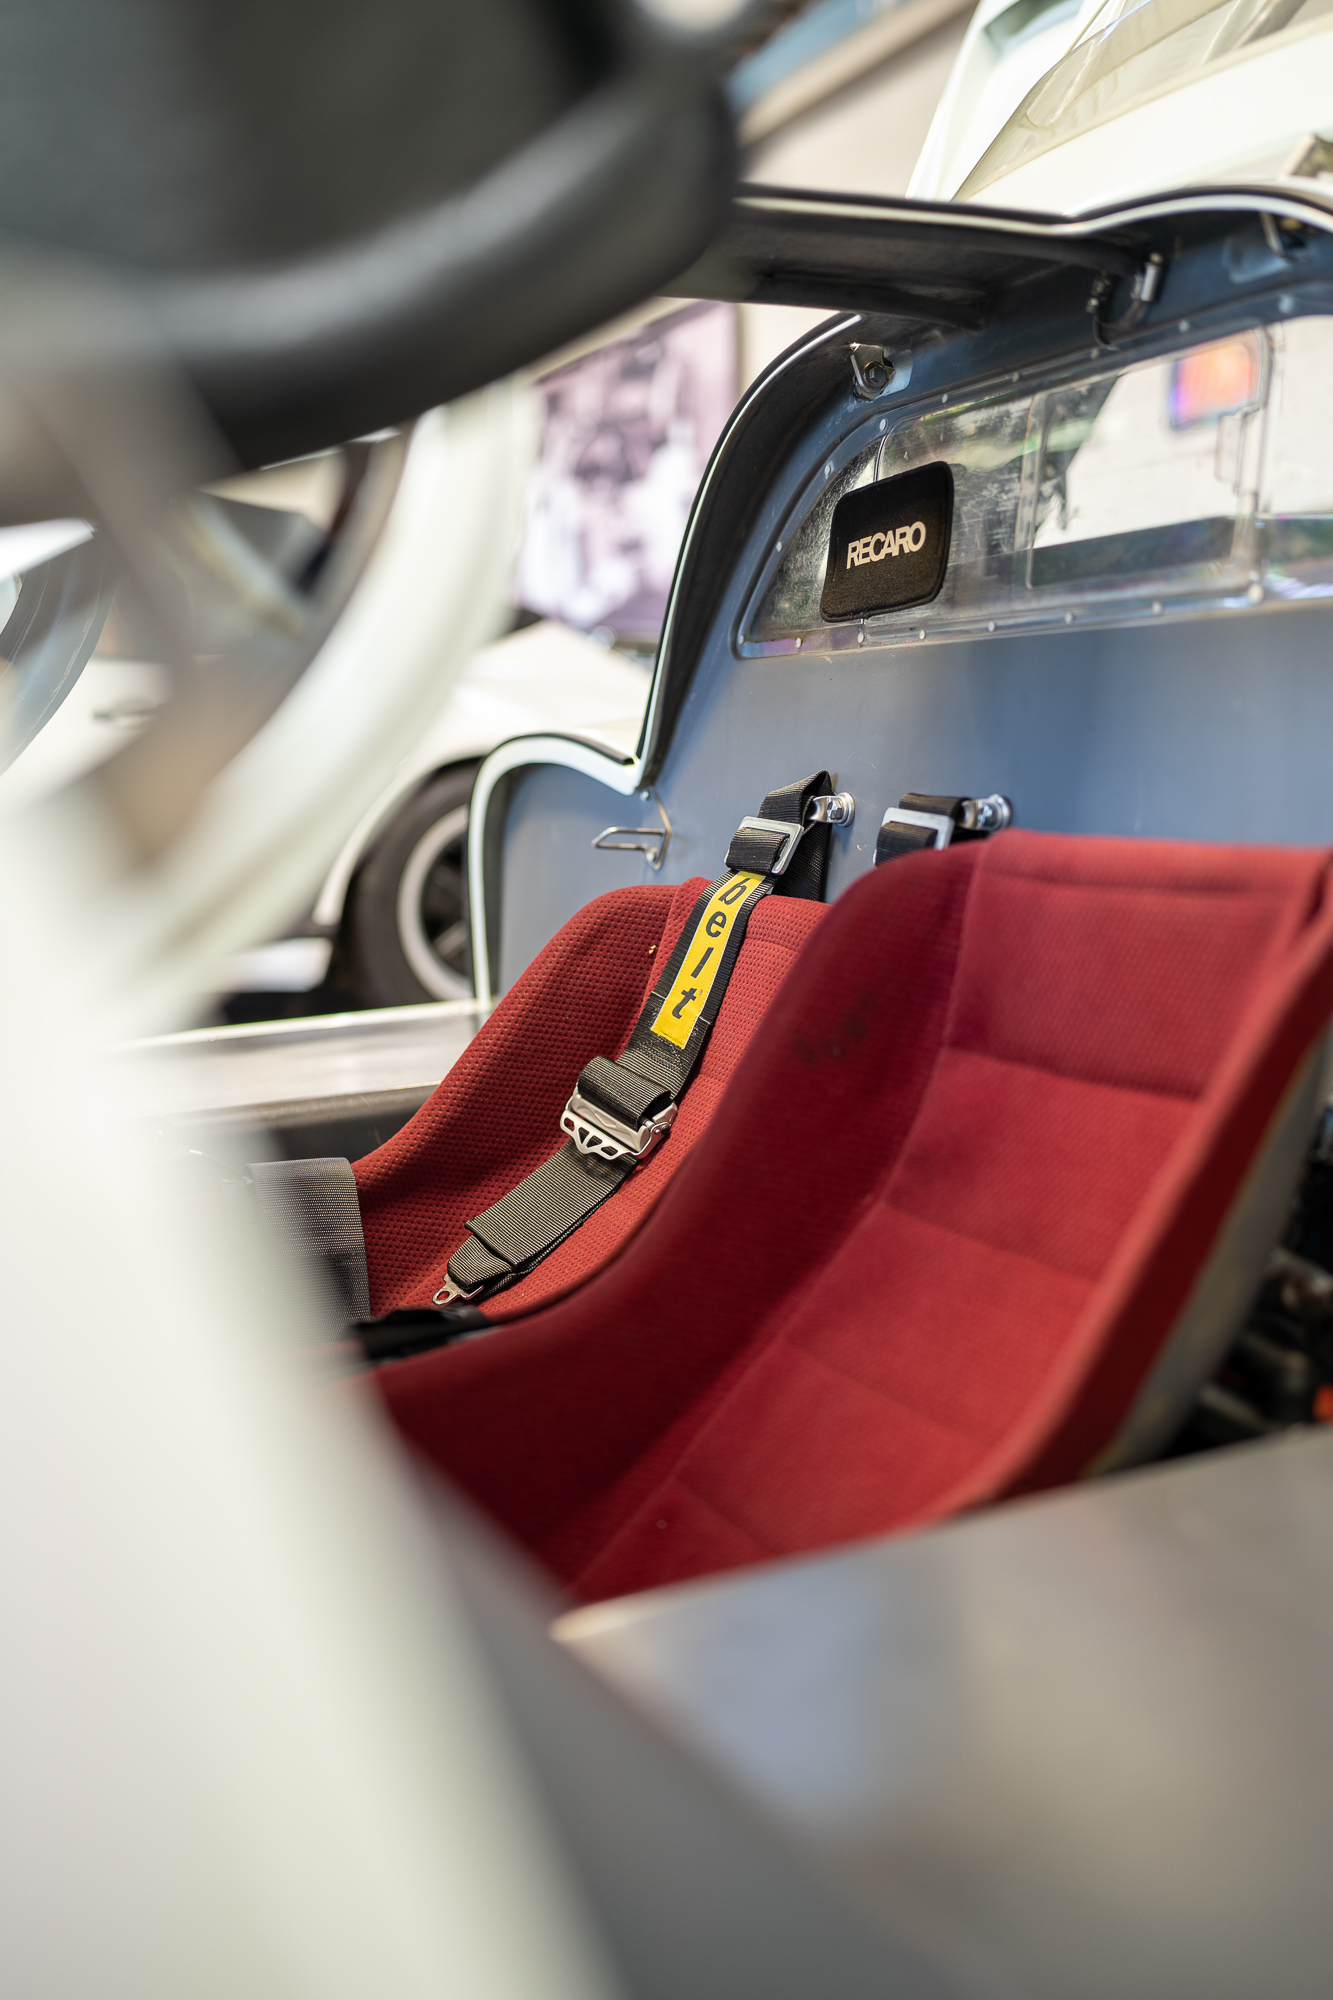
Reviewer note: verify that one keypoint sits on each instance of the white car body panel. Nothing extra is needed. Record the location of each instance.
(544, 677)
(986, 88)
(1239, 118)
(110, 700)
(541, 678)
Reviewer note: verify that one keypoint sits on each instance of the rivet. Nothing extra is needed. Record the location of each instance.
(1286, 303)
(1184, 326)
(1156, 609)
(861, 637)
(884, 423)
(777, 547)
(828, 471)
(991, 626)
(921, 633)
(1069, 618)
(798, 642)
(945, 397)
(1255, 593)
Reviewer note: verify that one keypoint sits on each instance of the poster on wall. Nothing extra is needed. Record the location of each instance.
(626, 434)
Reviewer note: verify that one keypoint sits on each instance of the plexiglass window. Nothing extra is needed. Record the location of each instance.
(1295, 526)
(1202, 478)
(1149, 476)
(790, 605)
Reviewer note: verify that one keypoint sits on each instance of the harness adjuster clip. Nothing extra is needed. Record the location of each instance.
(791, 831)
(601, 1137)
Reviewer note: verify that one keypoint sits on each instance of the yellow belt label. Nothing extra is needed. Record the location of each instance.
(686, 1001)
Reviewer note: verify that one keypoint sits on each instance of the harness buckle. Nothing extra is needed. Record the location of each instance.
(942, 825)
(791, 831)
(596, 1133)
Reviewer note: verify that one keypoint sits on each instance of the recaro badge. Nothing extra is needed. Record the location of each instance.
(889, 544)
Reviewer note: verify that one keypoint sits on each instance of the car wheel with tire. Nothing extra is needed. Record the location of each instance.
(405, 931)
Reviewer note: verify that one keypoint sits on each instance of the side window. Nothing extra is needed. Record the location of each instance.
(987, 448)
(1146, 477)
(1295, 525)
(1203, 476)
(791, 602)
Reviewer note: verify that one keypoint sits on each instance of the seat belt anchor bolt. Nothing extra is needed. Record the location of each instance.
(831, 809)
(600, 1136)
(988, 815)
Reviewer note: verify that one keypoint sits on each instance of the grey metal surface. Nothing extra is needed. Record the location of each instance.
(279, 1063)
(1217, 728)
(1088, 1739)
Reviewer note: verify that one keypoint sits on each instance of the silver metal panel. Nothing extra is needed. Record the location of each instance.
(1217, 728)
(1087, 1740)
(280, 1062)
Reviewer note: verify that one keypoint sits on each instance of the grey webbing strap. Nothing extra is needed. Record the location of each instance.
(313, 1206)
(517, 1232)
(619, 1111)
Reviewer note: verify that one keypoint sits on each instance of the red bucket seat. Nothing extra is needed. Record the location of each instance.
(983, 1200)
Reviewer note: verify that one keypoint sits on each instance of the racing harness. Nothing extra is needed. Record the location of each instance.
(620, 1111)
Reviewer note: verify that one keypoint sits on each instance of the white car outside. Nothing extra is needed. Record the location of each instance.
(391, 913)
(1059, 107)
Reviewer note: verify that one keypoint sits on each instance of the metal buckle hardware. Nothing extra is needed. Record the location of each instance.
(831, 809)
(449, 1292)
(650, 841)
(596, 1133)
(790, 829)
(989, 815)
(940, 823)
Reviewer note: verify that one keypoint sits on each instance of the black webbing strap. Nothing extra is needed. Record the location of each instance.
(619, 1110)
(891, 841)
(752, 847)
(899, 836)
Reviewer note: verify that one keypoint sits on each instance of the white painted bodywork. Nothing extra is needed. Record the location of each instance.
(544, 677)
(1237, 119)
(984, 89)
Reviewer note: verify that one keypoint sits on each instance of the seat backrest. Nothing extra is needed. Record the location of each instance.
(496, 1116)
(975, 1171)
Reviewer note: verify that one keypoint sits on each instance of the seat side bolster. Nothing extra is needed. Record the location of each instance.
(1229, 1279)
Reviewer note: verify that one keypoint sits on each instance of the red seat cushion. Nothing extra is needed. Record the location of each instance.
(496, 1115)
(953, 1200)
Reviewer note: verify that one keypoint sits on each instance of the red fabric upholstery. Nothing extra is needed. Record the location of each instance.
(955, 1196)
(496, 1116)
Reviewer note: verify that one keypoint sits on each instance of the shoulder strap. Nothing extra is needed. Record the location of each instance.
(620, 1111)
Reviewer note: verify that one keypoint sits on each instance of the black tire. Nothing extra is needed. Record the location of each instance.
(405, 934)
